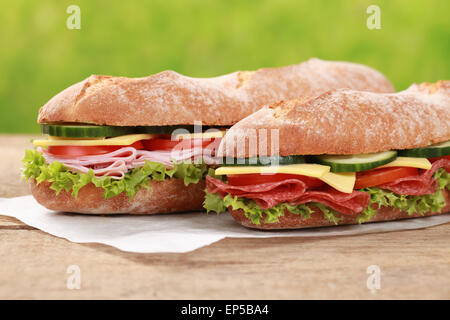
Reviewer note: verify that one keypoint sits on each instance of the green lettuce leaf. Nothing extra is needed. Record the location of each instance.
(214, 203)
(62, 179)
(253, 212)
(330, 214)
(443, 178)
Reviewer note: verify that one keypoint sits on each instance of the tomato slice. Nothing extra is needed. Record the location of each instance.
(159, 144)
(78, 151)
(256, 178)
(439, 158)
(375, 177)
(168, 144)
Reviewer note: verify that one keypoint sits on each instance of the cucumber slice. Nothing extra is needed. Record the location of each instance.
(85, 131)
(262, 161)
(435, 150)
(92, 131)
(163, 129)
(356, 162)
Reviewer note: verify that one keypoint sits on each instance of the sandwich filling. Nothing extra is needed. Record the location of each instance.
(412, 183)
(117, 164)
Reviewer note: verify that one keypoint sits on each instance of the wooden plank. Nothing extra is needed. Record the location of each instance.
(414, 264)
(9, 222)
(12, 149)
(34, 265)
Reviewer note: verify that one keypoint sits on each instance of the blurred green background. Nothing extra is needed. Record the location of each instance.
(39, 56)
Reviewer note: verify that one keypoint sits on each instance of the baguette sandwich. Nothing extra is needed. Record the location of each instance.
(113, 143)
(343, 157)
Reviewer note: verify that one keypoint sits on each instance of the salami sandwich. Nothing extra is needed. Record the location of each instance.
(143, 145)
(343, 157)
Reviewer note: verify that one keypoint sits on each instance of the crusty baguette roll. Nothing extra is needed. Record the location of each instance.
(169, 98)
(317, 219)
(166, 196)
(345, 121)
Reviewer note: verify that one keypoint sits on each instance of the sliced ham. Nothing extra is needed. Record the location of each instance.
(167, 157)
(116, 170)
(419, 185)
(294, 192)
(117, 163)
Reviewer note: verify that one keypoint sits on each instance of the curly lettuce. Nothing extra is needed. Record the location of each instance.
(61, 178)
(215, 203)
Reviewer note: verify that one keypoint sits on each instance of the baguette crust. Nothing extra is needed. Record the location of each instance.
(169, 98)
(346, 121)
(163, 197)
(293, 221)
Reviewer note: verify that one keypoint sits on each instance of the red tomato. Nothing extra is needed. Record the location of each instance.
(256, 178)
(77, 151)
(168, 144)
(375, 177)
(160, 144)
(439, 158)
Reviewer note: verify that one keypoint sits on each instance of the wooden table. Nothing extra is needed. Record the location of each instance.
(414, 264)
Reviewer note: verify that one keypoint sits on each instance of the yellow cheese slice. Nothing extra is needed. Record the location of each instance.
(344, 182)
(116, 141)
(421, 163)
(201, 135)
(304, 169)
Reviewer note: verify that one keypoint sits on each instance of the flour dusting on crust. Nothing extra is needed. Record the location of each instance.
(169, 98)
(345, 121)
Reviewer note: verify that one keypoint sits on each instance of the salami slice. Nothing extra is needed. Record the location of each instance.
(293, 192)
(345, 203)
(266, 195)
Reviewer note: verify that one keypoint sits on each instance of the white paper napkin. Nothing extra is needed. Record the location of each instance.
(181, 232)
